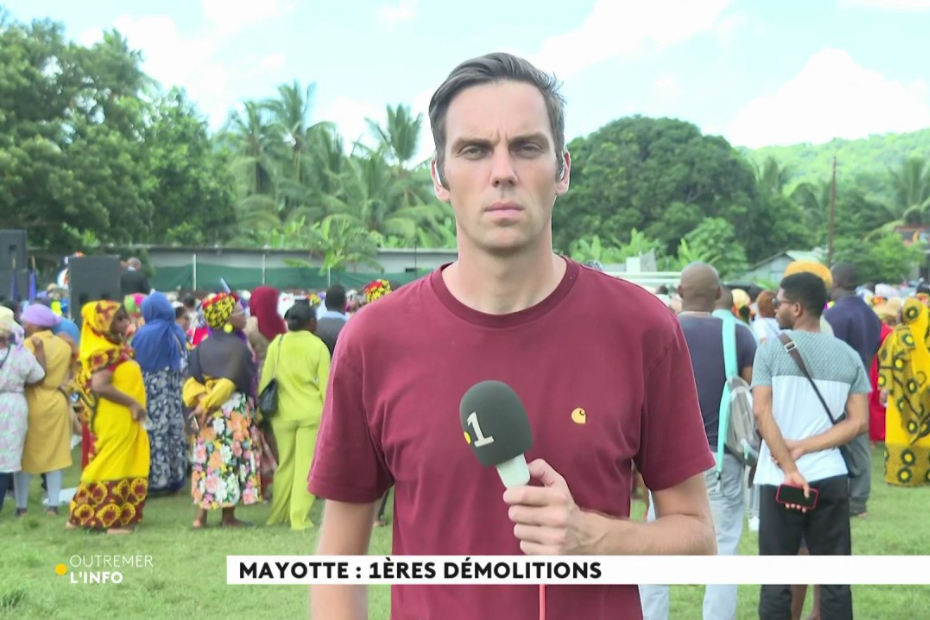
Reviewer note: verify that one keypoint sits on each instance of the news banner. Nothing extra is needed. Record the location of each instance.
(577, 570)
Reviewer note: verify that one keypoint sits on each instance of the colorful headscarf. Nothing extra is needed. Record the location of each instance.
(133, 305)
(376, 290)
(160, 343)
(40, 315)
(99, 347)
(264, 307)
(217, 309)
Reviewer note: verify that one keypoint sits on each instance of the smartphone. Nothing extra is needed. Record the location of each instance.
(788, 494)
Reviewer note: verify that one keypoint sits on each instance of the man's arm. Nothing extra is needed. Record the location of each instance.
(746, 353)
(548, 522)
(856, 423)
(346, 530)
(683, 525)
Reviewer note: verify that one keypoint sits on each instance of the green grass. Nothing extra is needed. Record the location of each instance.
(188, 579)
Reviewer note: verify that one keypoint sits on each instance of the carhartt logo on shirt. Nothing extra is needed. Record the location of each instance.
(579, 416)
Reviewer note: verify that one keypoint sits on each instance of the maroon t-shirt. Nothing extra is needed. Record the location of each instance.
(392, 417)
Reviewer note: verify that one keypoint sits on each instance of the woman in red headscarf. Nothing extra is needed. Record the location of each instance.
(263, 326)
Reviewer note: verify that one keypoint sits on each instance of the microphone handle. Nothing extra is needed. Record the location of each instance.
(514, 472)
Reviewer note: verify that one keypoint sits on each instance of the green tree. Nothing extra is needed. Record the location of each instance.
(887, 259)
(631, 172)
(713, 242)
(72, 122)
(192, 190)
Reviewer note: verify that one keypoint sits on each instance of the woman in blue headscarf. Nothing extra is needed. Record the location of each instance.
(160, 349)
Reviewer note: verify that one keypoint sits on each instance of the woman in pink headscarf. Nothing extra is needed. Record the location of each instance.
(47, 449)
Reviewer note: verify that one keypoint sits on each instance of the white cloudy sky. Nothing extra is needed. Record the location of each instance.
(756, 72)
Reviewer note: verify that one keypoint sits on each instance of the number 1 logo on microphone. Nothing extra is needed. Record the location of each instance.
(481, 439)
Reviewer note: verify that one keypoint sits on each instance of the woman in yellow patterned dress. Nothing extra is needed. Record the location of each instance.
(904, 375)
(114, 485)
(221, 390)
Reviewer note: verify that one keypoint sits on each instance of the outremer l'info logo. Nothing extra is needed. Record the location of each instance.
(101, 569)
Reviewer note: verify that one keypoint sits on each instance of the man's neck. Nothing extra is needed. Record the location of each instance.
(841, 294)
(696, 307)
(807, 326)
(495, 285)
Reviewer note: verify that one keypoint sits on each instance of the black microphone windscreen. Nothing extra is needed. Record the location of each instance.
(495, 422)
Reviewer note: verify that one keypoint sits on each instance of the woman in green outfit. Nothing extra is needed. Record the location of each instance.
(299, 361)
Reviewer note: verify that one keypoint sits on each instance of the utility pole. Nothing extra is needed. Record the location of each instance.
(832, 213)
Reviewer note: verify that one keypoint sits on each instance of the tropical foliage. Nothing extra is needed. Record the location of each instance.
(94, 152)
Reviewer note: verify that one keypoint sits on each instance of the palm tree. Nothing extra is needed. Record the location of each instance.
(372, 194)
(290, 114)
(399, 139)
(911, 190)
(814, 198)
(772, 177)
(249, 136)
(401, 135)
(910, 197)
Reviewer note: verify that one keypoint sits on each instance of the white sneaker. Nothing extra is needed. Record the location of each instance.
(754, 524)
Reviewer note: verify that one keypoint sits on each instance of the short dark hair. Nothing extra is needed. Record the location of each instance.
(336, 298)
(299, 315)
(845, 276)
(490, 68)
(808, 290)
(179, 312)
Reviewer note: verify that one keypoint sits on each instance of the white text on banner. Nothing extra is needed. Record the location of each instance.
(577, 570)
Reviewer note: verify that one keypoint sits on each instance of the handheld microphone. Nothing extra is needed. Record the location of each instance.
(498, 430)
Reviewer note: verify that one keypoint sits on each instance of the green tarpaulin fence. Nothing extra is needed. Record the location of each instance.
(240, 278)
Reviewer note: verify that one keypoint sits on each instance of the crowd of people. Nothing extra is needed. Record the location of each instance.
(865, 351)
(335, 401)
(162, 391)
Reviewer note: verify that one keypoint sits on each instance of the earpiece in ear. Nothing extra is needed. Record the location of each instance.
(436, 172)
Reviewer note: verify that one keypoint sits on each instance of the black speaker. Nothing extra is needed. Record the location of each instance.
(22, 285)
(12, 250)
(91, 278)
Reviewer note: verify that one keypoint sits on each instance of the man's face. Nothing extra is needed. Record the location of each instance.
(786, 311)
(500, 167)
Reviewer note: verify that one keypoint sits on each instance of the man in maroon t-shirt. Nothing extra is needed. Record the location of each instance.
(601, 365)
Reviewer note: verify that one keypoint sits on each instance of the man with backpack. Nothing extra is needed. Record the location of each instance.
(722, 355)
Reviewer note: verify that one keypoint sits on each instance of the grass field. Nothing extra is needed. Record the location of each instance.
(188, 578)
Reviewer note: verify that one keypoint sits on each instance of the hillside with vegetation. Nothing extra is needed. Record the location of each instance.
(856, 159)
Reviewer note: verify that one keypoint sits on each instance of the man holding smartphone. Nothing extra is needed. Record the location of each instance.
(800, 442)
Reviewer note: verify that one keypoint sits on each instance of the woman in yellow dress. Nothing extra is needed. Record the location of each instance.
(221, 391)
(904, 375)
(114, 485)
(48, 436)
(299, 361)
